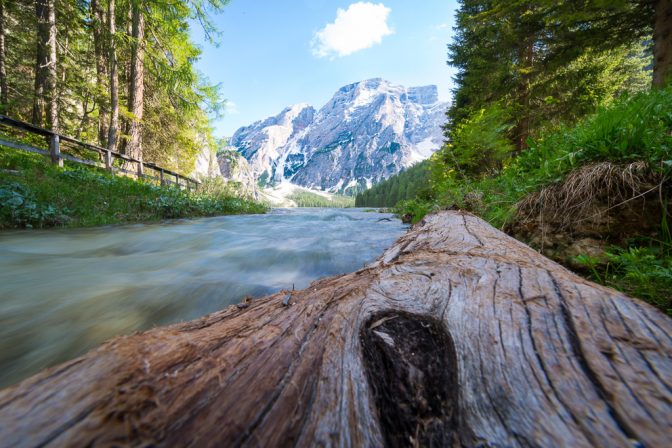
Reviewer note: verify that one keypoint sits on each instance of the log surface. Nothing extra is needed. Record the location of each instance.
(457, 335)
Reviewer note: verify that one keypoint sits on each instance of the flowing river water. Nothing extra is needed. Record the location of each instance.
(62, 292)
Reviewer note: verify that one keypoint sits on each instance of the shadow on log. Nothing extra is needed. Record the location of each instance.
(457, 335)
(412, 370)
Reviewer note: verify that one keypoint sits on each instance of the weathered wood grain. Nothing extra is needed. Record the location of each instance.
(457, 335)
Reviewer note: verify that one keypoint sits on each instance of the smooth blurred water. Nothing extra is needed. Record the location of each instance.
(63, 292)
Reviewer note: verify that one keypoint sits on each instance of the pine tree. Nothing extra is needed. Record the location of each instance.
(136, 86)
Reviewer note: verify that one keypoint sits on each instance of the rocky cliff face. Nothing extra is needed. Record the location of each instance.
(206, 164)
(234, 168)
(367, 132)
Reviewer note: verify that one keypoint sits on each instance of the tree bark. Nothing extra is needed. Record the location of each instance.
(136, 86)
(51, 92)
(457, 335)
(42, 61)
(662, 43)
(4, 94)
(114, 78)
(45, 100)
(98, 21)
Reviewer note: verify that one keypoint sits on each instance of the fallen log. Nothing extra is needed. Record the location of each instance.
(457, 335)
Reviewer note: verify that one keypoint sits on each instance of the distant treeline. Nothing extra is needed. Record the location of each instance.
(408, 184)
(308, 199)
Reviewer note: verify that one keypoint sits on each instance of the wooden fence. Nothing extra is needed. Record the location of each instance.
(62, 147)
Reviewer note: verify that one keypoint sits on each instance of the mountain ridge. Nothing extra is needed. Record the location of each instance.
(367, 132)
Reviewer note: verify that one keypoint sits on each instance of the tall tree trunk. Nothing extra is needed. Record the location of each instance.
(45, 67)
(4, 98)
(51, 93)
(136, 88)
(114, 82)
(98, 20)
(42, 59)
(662, 43)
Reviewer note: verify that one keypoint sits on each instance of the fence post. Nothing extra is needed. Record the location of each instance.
(141, 169)
(55, 150)
(162, 180)
(108, 161)
(177, 180)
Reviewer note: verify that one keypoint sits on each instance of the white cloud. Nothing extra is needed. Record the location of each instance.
(360, 26)
(231, 108)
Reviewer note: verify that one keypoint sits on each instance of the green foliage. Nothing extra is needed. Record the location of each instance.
(178, 101)
(412, 210)
(573, 79)
(218, 187)
(633, 129)
(406, 185)
(33, 193)
(533, 63)
(308, 199)
(592, 80)
(19, 206)
(480, 144)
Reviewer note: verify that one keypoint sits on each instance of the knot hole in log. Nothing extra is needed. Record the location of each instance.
(411, 368)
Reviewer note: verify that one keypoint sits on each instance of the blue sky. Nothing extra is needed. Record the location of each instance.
(276, 53)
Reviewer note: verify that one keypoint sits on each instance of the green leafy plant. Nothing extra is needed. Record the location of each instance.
(412, 210)
(480, 144)
(18, 205)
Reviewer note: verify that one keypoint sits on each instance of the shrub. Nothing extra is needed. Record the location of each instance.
(480, 144)
(412, 210)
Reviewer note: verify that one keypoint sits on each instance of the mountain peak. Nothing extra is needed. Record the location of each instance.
(424, 94)
(363, 91)
(372, 83)
(297, 108)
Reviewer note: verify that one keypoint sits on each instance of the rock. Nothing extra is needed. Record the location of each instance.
(234, 168)
(595, 249)
(206, 164)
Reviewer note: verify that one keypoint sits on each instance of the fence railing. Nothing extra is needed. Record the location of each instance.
(57, 142)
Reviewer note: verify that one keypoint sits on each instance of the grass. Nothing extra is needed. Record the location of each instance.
(36, 194)
(640, 271)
